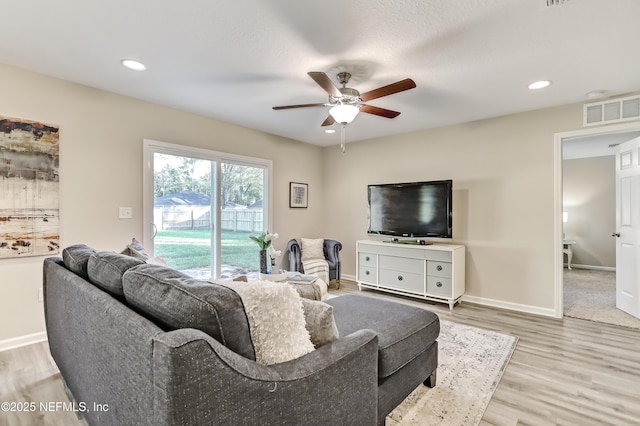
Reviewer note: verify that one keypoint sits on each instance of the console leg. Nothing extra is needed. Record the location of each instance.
(431, 380)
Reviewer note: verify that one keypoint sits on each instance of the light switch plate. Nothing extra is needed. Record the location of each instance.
(126, 213)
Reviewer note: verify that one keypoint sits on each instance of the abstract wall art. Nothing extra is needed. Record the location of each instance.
(29, 188)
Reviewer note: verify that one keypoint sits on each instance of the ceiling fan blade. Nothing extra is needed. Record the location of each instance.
(325, 82)
(399, 86)
(382, 112)
(297, 106)
(329, 121)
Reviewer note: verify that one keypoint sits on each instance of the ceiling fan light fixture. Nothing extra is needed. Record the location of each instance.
(344, 114)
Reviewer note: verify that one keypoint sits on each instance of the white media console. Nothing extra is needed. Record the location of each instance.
(432, 272)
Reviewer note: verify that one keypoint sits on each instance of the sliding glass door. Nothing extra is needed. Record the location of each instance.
(201, 206)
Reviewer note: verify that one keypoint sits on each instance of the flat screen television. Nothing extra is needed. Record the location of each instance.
(416, 209)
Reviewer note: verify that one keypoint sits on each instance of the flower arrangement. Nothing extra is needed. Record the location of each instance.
(273, 254)
(264, 240)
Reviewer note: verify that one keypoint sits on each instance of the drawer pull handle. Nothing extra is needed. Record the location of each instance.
(366, 272)
(367, 258)
(438, 284)
(439, 268)
(399, 277)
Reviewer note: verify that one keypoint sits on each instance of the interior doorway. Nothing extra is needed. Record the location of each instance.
(593, 142)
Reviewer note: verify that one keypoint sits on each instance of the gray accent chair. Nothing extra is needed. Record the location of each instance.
(331, 254)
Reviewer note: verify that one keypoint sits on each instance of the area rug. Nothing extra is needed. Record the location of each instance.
(470, 365)
(591, 294)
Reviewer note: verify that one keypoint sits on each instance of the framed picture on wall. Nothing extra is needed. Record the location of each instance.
(298, 195)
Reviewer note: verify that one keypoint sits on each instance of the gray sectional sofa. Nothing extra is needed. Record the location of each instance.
(141, 344)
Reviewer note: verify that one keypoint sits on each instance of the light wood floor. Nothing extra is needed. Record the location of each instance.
(563, 372)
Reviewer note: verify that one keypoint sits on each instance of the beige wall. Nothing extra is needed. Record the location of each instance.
(101, 169)
(589, 196)
(503, 184)
(502, 170)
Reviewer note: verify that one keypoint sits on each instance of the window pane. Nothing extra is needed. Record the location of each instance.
(182, 213)
(241, 197)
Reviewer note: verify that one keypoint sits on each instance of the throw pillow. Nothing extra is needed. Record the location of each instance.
(312, 248)
(276, 320)
(137, 250)
(320, 322)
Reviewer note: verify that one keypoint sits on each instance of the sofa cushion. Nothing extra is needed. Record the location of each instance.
(276, 320)
(175, 300)
(105, 270)
(403, 331)
(76, 258)
(320, 323)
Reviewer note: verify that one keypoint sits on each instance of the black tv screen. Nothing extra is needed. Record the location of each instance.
(417, 209)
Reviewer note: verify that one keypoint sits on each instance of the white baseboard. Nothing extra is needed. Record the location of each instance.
(348, 277)
(510, 306)
(28, 339)
(596, 268)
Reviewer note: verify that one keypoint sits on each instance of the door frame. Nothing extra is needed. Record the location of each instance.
(558, 202)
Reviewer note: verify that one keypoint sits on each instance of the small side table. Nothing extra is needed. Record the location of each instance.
(566, 249)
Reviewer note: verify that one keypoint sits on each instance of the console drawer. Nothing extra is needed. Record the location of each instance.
(367, 274)
(402, 281)
(440, 287)
(413, 266)
(367, 259)
(439, 269)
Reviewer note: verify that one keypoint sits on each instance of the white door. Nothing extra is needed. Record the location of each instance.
(628, 227)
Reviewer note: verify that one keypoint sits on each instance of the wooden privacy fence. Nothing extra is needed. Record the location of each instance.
(199, 217)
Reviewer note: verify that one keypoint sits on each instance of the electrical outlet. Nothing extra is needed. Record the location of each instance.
(126, 213)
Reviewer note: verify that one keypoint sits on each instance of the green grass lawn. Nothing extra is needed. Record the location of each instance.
(190, 248)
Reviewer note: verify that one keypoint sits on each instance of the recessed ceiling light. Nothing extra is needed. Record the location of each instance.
(539, 84)
(133, 65)
(330, 131)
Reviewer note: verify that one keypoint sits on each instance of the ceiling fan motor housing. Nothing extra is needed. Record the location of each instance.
(349, 96)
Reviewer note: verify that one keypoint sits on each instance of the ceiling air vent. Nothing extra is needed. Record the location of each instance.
(612, 111)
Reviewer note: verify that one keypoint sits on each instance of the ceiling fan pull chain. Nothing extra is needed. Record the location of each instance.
(342, 138)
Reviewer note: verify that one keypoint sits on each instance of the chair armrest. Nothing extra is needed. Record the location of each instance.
(295, 256)
(332, 254)
(197, 381)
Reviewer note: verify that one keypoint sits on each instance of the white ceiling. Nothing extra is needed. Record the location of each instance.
(595, 145)
(470, 59)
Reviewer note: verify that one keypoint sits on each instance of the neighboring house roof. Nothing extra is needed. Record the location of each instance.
(256, 205)
(185, 198)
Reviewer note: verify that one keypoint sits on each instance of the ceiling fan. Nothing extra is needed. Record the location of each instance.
(345, 102)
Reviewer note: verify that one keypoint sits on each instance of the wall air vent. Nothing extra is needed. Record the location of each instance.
(612, 111)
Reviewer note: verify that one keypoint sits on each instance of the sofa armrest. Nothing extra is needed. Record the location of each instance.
(199, 381)
(295, 256)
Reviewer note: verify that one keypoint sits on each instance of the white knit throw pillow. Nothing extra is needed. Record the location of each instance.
(276, 320)
(312, 248)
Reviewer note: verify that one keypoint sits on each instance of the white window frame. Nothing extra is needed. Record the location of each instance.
(151, 147)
